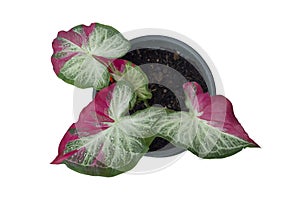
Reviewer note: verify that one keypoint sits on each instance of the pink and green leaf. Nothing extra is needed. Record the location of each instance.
(75, 54)
(68, 158)
(209, 129)
(106, 136)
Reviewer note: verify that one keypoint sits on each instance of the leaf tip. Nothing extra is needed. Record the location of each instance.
(61, 157)
(251, 142)
(56, 161)
(254, 144)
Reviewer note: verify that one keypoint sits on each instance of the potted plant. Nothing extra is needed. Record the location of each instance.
(129, 114)
(169, 62)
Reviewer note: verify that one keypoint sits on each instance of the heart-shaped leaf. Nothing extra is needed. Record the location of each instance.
(209, 129)
(77, 51)
(106, 140)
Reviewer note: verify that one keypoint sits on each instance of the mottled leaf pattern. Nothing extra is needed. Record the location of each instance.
(209, 129)
(119, 104)
(78, 52)
(109, 137)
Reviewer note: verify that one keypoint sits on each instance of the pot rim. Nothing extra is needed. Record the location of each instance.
(137, 33)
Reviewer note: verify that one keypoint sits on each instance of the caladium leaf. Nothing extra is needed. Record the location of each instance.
(123, 70)
(107, 141)
(67, 158)
(209, 129)
(77, 53)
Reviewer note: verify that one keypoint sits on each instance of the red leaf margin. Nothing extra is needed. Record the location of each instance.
(216, 110)
(69, 136)
(75, 38)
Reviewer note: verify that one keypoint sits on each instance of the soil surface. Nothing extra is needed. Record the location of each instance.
(166, 71)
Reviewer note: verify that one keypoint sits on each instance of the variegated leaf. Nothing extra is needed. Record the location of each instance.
(209, 129)
(78, 52)
(106, 136)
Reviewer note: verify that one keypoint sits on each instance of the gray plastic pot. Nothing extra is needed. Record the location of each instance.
(173, 42)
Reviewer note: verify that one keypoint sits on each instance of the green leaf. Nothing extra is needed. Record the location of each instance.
(187, 131)
(112, 148)
(121, 144)
(85, 72)
(80, 53)
(106, 136)
(122, 95)
(123, 70)
(209, 129)
(140, 123)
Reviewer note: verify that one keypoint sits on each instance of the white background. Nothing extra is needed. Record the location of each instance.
(255, 46)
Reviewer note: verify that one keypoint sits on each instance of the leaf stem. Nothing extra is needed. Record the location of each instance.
(146, 103)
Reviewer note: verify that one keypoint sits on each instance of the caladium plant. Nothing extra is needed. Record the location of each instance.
(107, 140)
(209, 129)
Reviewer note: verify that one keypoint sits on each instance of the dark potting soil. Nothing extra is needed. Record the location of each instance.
(166, 71)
